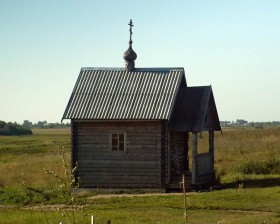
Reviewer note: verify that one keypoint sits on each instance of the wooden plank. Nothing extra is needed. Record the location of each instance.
(203, 163)
(102, 161)
(89, 184)
(119, 154)
(115, 167)
(130, 149)
(194, 153)
(121, 179)
(132, 157)
(122, 169)
(129, 128)
(89, 166)
(137, 172)
(205, 178)
(101, 172)
(150, 139)
(107, 182)
(130, 145)
(115, 123)
(141, 178)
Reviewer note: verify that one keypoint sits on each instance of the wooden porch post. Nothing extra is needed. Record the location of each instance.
(186, 152)
(211, 148)
(194, 153)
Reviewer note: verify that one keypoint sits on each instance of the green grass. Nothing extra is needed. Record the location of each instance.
(259, 205)
(28, 156)
(235, 146)
(251, 166)
(232, 206)
(144, 216)
(252, 197)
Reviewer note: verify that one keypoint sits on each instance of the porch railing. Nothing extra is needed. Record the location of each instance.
(204, 168)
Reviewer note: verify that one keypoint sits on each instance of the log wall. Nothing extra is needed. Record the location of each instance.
(142, 165)
(178, 154)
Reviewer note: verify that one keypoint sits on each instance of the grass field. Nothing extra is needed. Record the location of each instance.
(28, 156)
(246, 160)
(260, 205)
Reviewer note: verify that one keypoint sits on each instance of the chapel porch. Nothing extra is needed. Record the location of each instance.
(188, 159)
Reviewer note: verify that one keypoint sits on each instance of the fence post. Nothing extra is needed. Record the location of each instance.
(185, 198)
(92, 220)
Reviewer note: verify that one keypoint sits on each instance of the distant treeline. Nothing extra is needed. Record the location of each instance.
(13, 128)
(10, 128)
(242, 122)
(44, 124)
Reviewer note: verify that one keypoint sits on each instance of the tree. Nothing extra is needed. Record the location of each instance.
(2, 124)
(27, 124)
(241, 122)
(41, 124)
(14, 129)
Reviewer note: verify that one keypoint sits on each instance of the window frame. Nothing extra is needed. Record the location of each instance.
(118, 132)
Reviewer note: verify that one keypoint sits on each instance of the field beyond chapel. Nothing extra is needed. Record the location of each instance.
(247, 164)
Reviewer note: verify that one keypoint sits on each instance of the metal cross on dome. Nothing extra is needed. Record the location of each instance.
(130, 30)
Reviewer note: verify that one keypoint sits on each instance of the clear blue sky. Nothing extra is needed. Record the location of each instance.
(234, 45)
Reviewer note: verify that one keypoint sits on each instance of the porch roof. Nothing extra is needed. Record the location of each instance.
(195, 110)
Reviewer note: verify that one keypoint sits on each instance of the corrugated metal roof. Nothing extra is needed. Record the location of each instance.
(114, 93)
(191, 108)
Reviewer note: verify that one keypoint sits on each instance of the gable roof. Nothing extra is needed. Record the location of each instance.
(195, 110)
(115, 93)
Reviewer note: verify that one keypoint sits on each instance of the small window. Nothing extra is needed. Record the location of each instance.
(117, 140)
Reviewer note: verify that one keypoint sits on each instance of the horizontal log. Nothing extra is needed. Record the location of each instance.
(135, 163)
(118, 184)
(129, 148)
(99, 173)
(118, 156)
(144, 138)
(89, 147)
(111, 123)
(128, 178)
(102, 161)
(90, 165)
(124, 173)
(134, 141)
(108, 152)
(122, 180)
(93, 144)
(127, 185)
(119, 127)
(95, 180)
(106, 145)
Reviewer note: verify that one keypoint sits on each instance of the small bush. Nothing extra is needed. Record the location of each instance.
(269, 166)
(218, 175)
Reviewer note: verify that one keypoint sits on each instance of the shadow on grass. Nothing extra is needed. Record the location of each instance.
(253, 183)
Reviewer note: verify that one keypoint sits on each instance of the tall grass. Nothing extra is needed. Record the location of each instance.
(237, 147)
(237, 151)
(234, 149)
(29, 155)
(251, 166)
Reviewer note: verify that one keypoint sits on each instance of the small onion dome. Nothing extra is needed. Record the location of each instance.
(129, 54)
